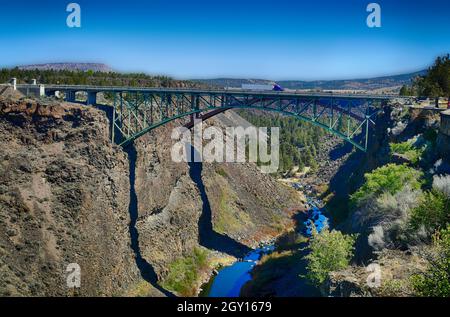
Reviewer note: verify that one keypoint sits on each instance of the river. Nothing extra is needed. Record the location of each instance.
(229, 280)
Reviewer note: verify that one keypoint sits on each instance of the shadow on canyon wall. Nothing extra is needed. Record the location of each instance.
(146, 270)
(350, 176)
(208, 237)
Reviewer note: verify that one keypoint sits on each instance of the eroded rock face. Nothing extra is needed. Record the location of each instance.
(64, 193)
(246, 205)
(169, 204)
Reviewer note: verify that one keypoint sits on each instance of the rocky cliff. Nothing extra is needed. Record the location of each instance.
(64, 193)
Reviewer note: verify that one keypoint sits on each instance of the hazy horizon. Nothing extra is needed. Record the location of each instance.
(115, 69)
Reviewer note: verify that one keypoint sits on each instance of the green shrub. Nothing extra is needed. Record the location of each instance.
(412, 153)
(442, 184)
(184, 273)
(414, 156)
(330, 251)
(401, 148)
(390, 178)
(435, 281)
(433, 212)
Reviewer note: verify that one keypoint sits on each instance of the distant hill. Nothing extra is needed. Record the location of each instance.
(350, 84)
(233, 82)
(96, 67)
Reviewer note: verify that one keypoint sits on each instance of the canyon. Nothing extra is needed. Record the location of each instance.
(68, 195)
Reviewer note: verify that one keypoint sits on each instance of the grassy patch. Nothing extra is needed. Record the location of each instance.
(277, 222)
(394, 287)
(142, 289)
(221, 172)
(229, 218)
(184, 273)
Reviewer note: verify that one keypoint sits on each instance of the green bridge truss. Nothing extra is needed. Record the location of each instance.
(346, 116)
(140, 110)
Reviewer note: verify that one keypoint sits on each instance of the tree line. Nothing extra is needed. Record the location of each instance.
(436, 83)
(95, 78)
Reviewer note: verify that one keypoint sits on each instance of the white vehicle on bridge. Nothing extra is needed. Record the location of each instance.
(262, 87)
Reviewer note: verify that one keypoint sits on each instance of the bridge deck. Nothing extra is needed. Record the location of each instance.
(234, 92)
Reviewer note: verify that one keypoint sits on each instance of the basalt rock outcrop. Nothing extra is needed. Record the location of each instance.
(64, 193)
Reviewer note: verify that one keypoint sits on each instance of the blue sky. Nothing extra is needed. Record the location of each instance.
(320, 39)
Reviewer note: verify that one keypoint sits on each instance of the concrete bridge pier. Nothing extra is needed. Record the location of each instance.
(91, 98)
(70, 96)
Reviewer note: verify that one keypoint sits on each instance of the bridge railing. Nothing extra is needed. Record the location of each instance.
(216, 91)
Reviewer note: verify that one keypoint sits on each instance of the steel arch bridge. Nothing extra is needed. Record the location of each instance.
(140, 110)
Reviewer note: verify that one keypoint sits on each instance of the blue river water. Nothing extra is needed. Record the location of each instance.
(315, 219)
(229, 280)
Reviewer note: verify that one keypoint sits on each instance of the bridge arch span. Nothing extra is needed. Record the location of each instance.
(210, 112)
(140, 110)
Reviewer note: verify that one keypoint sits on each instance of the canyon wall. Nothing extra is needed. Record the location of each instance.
(64, 194)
